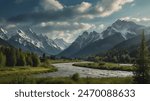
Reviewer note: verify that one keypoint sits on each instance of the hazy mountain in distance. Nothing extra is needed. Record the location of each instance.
(4, 43)
(82, 41)
(133, 43)
(61, 43)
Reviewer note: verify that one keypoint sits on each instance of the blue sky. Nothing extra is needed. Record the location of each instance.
(69, 18)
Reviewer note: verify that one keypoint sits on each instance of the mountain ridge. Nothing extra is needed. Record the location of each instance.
(28, 40)
(115, 34)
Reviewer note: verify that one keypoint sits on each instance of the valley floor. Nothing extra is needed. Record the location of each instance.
(68, 69)
(47, 75)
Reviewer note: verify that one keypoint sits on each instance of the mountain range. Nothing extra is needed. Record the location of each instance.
(121, 34)
(28, 40)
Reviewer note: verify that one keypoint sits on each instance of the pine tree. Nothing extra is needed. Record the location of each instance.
(142, 73)
(2, 59)
(21, 60)
(35, 60)
(29, 59)
(11, 57)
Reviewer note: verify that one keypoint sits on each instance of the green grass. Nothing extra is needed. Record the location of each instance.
(23, 74)
(63, 61)
(66, 80)
(105, 66)
(24, 70)
(11, 75)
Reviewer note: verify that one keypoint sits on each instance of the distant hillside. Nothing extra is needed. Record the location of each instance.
(4, 43)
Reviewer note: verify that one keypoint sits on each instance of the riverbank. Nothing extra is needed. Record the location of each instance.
(67, 70)
(61, 73)
(106, 66)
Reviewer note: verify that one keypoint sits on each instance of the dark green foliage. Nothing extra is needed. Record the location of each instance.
(11, 57)
(118, 56)
(28, 58)
(75, 77)
(21, 61)
(35, 60)
(2, 59)
(142, 73)
(16, 57)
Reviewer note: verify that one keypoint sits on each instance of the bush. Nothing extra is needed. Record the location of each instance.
(46, 63)
(75, 77)
(101, 63)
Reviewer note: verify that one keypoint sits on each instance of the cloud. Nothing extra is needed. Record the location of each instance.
(108, 7)
(67, 30)
(58, 20)
(51, 5)
(66, 35)
(9, 26)
(54, 10)
(70, 35)
(101, 26)
(135, 19)
(83, 7)
(63, 26)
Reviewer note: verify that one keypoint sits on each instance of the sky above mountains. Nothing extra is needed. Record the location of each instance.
(69, 18)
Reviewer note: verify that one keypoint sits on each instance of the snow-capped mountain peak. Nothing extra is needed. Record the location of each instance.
(127, 29)
(22, 34)
(122, 24)
(3, 34)
(3, 31)
(61, 43)
(27, 39)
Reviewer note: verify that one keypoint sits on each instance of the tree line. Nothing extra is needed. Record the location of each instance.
(118, 56)
(11, 57)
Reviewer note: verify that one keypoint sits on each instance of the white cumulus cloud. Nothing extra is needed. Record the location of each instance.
(136, 19)
(83, 7)
(49, 5)
(108, 7)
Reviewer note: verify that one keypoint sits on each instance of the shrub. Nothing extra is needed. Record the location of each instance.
(101, 63)
(75, 77)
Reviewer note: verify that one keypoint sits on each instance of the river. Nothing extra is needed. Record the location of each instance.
(67, 70)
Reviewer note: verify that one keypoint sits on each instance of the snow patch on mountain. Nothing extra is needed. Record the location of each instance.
(127, 29)
(61, 43)
(3, 34)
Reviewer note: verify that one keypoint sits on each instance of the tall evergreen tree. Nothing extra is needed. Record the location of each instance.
(142, 73)
(11, 57)
(28, 59)
(21, 61)
(2, 59)
(35, 60)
